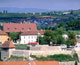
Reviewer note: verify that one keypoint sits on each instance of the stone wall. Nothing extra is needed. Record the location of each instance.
(27, 53)
(77, 50)
(19, 53)
(45, 47)
(46, 53)
(4, 54)
(78, 63)
(43, 50)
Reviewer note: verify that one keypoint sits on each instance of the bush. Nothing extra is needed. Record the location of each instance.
(56, 57)
(17, 57)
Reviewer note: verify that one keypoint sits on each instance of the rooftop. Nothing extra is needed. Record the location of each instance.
(2, 33)
(29, 63)
(19, 27)
(33, 32)
(8, 44)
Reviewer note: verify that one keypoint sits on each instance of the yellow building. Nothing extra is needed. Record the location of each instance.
(3, 36)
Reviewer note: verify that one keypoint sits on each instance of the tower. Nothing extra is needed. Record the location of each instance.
(6, 49)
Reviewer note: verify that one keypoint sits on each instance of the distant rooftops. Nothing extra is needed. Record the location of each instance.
(19, 27)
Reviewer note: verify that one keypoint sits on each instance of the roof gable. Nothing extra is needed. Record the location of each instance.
(8, 44)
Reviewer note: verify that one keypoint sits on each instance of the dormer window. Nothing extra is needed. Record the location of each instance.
(15, 28)
(29, 28)
(8, 28)
(22, 28)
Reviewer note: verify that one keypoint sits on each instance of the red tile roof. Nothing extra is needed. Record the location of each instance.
(47, 63)
(27, 63)
(14, 63)
(2, 33)
(8, 44)
(33, 43)
(19, 27)
(33, 32)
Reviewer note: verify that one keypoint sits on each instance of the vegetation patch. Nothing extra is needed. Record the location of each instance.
(17, 57)
(56, 57)
(21, 45)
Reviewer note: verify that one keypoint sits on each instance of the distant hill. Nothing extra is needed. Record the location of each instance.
(22, 10)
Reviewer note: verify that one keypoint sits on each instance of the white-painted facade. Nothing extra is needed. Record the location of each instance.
(25, 39)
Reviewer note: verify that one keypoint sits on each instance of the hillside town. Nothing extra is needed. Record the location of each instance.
(24, 42)
(39, 32)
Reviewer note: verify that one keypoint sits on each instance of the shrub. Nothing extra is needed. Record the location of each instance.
(56, 57)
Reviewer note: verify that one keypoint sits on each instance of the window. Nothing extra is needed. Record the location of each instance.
(32, 37)
(15, 28)
(8, 28)
(24, 37)
(22, 28)
(29, 28)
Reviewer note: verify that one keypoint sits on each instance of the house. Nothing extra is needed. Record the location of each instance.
(65, 36)
(6, 49)
(3, 37)
(19, 27)
(29, 63)
(31, 36)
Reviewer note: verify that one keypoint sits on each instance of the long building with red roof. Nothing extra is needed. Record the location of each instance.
(19, 27)
(31, 36)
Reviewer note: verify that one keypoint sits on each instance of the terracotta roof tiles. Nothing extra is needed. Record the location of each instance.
(32, 63)
(19, 27)
(8, 44)
(33, 32)
(2, 33)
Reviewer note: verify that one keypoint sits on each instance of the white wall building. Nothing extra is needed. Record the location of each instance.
(30, 36)
(65, 36)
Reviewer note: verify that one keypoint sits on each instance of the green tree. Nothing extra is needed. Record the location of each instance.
(14, 36)
(72, 37)
(60, 30)
(73, 25)
(42, 40)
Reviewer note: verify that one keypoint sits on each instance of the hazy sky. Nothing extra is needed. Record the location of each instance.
(42, 4)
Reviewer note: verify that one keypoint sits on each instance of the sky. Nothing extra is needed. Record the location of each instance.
(42, 4)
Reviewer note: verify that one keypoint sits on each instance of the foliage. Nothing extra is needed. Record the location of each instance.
(17, 57)
(73, 25)
(60, 30)
(20, 45)
(14, 35)
(56, 57)
(42, 40)
(53, 36)
(68, 43)
(1, 27)
(75, 56)
(72, 38)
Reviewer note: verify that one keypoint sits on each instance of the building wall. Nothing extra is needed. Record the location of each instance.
(21, 53)
(25, 39)
(3, 38)
(27, 53)
(46, 53)
(6, 53)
